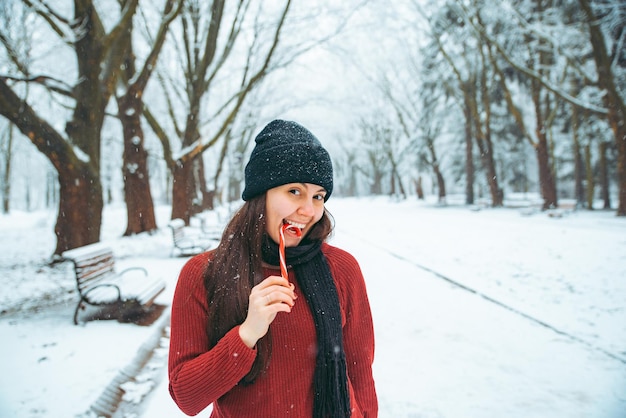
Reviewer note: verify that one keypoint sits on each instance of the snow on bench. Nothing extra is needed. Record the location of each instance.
(99, 284)
(188, 244)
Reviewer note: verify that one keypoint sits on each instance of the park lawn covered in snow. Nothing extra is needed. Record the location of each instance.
(477, 313)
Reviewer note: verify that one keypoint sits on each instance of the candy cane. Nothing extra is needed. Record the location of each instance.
(281, 247)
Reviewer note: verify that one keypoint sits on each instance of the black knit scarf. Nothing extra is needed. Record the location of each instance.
(332, 399)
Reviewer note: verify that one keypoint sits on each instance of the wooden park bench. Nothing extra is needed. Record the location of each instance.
(211, 230)
(188, 244)
(100, 285)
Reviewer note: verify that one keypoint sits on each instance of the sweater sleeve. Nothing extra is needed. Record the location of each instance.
(198, 376)
(358, 331)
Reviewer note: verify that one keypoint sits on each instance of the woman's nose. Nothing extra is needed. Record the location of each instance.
(306, 208)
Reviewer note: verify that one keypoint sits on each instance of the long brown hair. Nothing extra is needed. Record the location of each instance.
(236, 267)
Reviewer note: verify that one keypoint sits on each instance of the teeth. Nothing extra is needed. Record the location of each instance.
(297, 225)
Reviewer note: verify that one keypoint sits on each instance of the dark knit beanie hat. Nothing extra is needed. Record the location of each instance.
(286, 152)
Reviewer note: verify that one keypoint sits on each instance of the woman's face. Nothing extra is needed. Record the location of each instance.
(298, 204)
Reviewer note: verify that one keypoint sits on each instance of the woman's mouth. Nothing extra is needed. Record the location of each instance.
(294, 227)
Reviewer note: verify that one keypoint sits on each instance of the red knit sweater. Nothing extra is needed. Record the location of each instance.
(199, 377)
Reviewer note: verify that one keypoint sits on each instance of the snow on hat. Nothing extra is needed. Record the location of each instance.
(286, 152)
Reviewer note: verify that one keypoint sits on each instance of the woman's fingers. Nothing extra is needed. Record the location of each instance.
(273, 281)
(275, 286)
(272, 295)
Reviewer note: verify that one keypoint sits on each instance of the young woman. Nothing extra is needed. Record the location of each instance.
(253, 343)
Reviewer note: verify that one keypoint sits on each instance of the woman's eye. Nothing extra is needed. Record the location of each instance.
(294, 192)
(319, 197)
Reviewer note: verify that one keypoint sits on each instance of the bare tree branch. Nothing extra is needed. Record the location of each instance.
(170, 12)
(13, 55)
(48, 82)
(49, 15)
(482, 32)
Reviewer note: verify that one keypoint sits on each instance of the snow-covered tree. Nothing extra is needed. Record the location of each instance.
(83, 91)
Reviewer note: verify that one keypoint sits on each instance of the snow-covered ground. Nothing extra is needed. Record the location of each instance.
(478, 313)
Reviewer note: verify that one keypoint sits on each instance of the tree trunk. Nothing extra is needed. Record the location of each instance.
(546, 178)
(6, 176)
(441, 184)
(486, 156)
(590, 182)
(182, 191)
(604, 175)
(580, 169)
(80, 208)
(469, 157)
(376, 187)
(619, 129)
(139, 203)
(137, 193)
(483, 134)
(401, 186)
(81, 200)
(206, 195)
(613, 101)
(419, 190)
(579, 189)
(395, 179)
(184, 186)
(80, 190)
(434, 162)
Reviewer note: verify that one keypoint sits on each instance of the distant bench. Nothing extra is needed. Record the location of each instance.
(100, 285)
(186, 244)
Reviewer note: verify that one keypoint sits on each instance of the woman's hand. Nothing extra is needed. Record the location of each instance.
(272, 295)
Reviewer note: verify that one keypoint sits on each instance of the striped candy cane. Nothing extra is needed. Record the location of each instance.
(281, 248)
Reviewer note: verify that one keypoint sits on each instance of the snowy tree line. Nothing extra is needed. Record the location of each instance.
(505, 96)
(135, 101)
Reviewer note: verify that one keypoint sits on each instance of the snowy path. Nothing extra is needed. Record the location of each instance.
(620, 357)
(445, 352)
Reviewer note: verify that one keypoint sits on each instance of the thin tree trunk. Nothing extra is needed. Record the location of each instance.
(207, 195)
(542, 150)
(395, 179)
(469, 157)
(546, 181)
(579, 169)
(401, 186)
(434, 162)
(604, 174)
(419, 189)
(590, 182)
(441, 184)
(613, 101)
(376, 187)
(487, 155)
(6, 176)
(579, 189)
